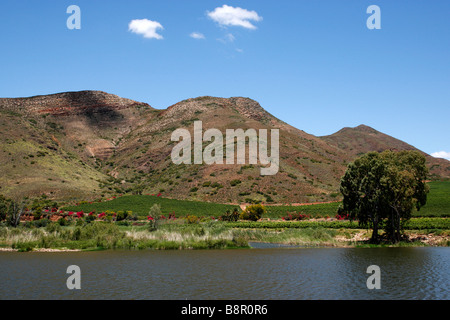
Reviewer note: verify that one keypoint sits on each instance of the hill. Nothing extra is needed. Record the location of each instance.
(362, 139)
(85, 145)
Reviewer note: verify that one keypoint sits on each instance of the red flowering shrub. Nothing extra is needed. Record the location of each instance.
(296, 217)
(343, 216)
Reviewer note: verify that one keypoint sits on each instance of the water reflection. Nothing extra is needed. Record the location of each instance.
(272, 273)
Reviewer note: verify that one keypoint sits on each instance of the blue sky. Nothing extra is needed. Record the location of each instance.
(311, 63)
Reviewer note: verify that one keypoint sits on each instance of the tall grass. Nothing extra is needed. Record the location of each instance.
(103, 235)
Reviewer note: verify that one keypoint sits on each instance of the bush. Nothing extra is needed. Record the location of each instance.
(121, 215)
(295, 217)
(191, 219)
(230, 216)
(89, 219)
(37, 213)
(53, 227)
(132, 216)
(63, 222)
(235, 182)
(41, 223)
(253, 212)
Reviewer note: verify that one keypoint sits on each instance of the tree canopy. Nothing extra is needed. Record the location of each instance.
(381, 190)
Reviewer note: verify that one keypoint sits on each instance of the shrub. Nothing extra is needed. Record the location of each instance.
(230, 216)
(53, 227)
(90, 218)
(63, 222)
(132, 216)
(191, 219)
(121, 215)
(41, 223)
(235, 182)
(206, 184)
(253, 212)
(37, 213)
(216, 185)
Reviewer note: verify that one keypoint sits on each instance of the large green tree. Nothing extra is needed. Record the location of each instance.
(382, 189)
(11, 210)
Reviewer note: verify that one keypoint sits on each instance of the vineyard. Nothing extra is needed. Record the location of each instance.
(413, 224)
(141, 204)
(438, 205)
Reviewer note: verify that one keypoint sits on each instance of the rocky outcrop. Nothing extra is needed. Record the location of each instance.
(69, 103)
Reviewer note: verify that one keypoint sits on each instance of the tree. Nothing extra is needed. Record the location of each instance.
(4, 207)
(15, 211)
(11, 210)
(382, 189)
(154, 217)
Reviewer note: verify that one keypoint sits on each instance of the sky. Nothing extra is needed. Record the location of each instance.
(314, 64)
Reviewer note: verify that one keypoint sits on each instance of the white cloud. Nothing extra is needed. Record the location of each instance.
(227, 38)
(441, 154)
(231, 16)
(146, 27)
(197, 35)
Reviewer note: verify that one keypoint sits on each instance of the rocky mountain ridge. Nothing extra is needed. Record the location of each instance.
(88, 144)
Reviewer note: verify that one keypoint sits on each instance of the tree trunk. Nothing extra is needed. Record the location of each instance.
(374, 238)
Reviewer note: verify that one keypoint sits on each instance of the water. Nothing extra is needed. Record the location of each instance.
(257, 274)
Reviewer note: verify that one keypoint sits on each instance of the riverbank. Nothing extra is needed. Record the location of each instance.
(177, 235)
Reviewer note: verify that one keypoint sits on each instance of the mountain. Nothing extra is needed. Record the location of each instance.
(362, 139)
(84, 145)
(310, 168)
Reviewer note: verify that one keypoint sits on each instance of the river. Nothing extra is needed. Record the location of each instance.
(254, 274)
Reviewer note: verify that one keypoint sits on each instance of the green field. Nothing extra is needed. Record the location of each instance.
(141, 206)
(413, 224)
(438, 201)
(438, 205)
(315, 211)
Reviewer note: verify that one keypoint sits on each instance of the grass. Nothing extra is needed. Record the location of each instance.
(103, 235)
(178, 234)
(307, 236)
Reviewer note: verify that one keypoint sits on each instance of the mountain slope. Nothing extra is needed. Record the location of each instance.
(362, 139)
(310, 169)
(83, 145)
(51, 144)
